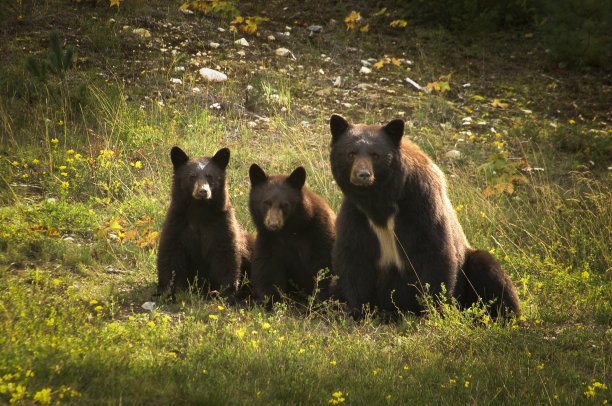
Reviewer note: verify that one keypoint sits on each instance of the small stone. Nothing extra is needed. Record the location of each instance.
(214, 45)
(179, 69)
(242, 41)
(212, 75)
(271, 38)
(338, 81)
(365, 70)
(315, 28)
(148, 306)
(453, 153)
(177, 81)
(283, 52)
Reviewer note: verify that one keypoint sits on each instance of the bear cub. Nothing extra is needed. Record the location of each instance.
(201, 239)
(397, 233)
(295, 234)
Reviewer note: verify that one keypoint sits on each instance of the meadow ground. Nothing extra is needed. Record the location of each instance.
(84, 184)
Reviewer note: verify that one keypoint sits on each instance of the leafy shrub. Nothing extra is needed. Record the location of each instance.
(578, 32)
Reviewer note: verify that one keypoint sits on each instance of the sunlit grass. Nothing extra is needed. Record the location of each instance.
(84, 193)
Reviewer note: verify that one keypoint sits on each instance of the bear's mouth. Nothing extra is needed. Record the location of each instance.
(361, 181)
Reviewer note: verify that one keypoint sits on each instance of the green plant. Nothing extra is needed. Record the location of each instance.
(58, 62)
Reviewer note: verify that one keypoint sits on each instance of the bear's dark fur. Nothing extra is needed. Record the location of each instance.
(201, 238)
(295, 234)
(397, 233)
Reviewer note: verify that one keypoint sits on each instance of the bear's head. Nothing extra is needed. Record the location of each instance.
(202, 178)
(364, 155)
(275, 199)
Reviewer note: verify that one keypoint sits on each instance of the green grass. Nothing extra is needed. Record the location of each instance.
(85, 180)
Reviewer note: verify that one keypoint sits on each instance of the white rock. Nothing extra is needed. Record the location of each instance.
(241, 53)
(271, 38)
(242, 41)
(338, 81)
(148, 306)
(196, 90)
(282, 52)
(177, 81)
(365, 70)
(179, 69)
(212, 75)
(214, 45)
(453, 153)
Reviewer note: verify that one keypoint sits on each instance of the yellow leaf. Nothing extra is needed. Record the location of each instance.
(233, 29)
(398, 23)
(115, 3)
(379, 64)
(395, 62)
(184, 6)
(497, 103)
(237, 20)
(446, 77)
(365, 28)
(381, 12)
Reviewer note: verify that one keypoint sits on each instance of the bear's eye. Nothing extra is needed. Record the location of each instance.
(284, 206)
(351, 154)
(374, 155)
(209, 177)
(193, 176)
(267, 203)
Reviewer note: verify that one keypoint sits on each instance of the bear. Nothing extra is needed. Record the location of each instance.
(295, 235)
(201, 240)
(397, 233)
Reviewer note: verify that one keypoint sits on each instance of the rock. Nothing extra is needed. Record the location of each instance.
(176, 81)
(338, 81)
(214, 45)
(365, 70)
(315, 28)
(148, 306)
(323, 92)
(271, 38)
(142, 32)
(212, 75)
(242, 41)
(453, 153)
(283, 52)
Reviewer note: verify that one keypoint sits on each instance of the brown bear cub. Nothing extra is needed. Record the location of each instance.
(397, 233)
(295, 234)
(201, 239)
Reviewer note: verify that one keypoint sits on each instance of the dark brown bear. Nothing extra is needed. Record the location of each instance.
(201, 239)
(295, 234)
(397, 233)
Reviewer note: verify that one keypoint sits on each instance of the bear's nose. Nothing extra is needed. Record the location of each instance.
(363, 174)
(202, 193)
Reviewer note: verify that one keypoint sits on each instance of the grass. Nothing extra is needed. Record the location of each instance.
(85, 179)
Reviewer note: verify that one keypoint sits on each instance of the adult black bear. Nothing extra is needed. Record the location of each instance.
(201, 238)
(295, 233)
(397, 233)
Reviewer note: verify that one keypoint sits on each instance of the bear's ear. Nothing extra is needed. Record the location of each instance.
(297, 178)
(257, 175)
(178, 157)
(338, 126)
(222, 157)
(395, 130)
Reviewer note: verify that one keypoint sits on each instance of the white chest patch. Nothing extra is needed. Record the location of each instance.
(389, 254)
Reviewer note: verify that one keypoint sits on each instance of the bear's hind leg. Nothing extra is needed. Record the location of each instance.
(483, 278)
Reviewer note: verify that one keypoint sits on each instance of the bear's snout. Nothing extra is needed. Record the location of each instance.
(362, 173)
(274, 219)
(202, 191)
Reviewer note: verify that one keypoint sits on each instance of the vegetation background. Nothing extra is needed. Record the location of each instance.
(511, 99)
